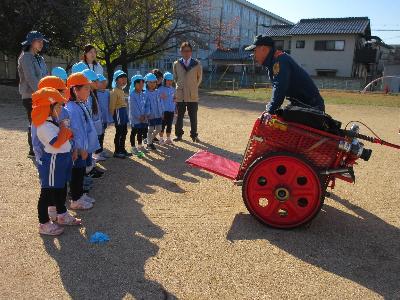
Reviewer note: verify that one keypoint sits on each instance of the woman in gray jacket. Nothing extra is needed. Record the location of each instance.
(31, 68)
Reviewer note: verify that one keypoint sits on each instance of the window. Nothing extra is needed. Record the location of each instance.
(300, 44)
(279, 44)
(329, 45)
(326, 73)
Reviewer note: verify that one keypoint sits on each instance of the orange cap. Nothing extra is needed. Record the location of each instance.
(77, 79)
(41, 102)
(52, 82)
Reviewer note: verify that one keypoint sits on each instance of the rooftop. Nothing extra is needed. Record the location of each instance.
(358, 25)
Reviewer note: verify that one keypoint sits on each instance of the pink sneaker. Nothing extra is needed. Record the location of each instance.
(50, 228)
(88, 199)
(67, 219)
(80, 204)
(52, 211)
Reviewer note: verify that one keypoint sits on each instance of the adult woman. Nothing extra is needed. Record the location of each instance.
(89, 58)
(31, 68)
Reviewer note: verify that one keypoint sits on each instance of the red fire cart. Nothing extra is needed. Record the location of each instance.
(287, 168)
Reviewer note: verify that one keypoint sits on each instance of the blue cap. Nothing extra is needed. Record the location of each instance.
(133, 79)
(31, 36)
(90, 75)
(117, 74)
(100, 77)
(168, 76)
(150, 77)
(79, 67)
(59, 72)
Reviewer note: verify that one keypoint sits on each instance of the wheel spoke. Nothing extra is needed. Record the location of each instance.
(293, 210)
(272, 208)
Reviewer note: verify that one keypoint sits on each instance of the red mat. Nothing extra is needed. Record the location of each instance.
(215, 164)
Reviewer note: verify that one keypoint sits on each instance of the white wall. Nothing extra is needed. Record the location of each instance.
(310, 60)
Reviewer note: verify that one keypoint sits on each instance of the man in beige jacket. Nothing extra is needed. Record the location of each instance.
(188, 74)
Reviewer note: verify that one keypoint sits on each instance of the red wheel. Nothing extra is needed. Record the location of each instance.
(282, 190)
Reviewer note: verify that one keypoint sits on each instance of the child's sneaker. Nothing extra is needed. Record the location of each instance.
(67, 219)
(168, 141)
(119, 155)
(98, 157)
(52, 212)
(135, 151)
(127, 154)
(105, 155)
(161, 142)
(50, 228)
(151, 147)
(80, 204)
(88, 199)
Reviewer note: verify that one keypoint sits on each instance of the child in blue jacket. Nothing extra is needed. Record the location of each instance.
(153, 109)
(85, 138)
(137, 115)
(103, 97)
(167, 94)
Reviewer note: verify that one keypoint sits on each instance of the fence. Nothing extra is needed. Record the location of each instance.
(240, 80)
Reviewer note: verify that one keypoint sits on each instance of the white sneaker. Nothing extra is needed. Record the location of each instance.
(88, 199)
(50, 228)
(98, 157)
(52, 211)
(161, 141)
(67, 219)
(80, 204)
(168, 141)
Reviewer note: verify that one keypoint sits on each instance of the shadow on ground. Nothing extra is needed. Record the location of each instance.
(232, 102)
(362, 248)
(117, 268)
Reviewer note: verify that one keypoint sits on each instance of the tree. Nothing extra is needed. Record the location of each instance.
(61, 21)
(130, 30)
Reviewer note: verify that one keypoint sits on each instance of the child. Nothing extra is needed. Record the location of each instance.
(84, 138)
(167, 93)
(153, 109)
(119, 112)
(56, 161)
(137, 117)
(95, 113)
(103, 97)
(159, 76)
(62, 118)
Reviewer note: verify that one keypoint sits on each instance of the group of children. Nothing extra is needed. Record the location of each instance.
(69, 119)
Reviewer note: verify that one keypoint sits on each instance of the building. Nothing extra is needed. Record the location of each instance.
(250, 21)
(333, 47)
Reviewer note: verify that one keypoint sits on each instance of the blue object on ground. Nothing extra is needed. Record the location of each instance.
(99, 237)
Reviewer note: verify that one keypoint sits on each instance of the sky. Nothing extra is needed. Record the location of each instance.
(384, 14)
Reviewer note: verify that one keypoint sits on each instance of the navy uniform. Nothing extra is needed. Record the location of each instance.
(289, 80)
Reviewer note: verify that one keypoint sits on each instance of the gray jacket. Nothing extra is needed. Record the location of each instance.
(31, 68)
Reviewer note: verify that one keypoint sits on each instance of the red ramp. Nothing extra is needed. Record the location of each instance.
(215, 164)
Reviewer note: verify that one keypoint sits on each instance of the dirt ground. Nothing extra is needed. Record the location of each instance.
(179, 232)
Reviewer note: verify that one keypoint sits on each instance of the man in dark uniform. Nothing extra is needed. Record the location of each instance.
(289, 80)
